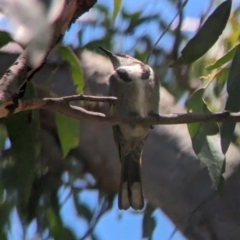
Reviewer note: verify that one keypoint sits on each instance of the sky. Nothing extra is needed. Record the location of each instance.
(116, 224)
(126, 225)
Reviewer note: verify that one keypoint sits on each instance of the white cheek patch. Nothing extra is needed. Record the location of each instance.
(151, 76)
(151, 81)
(134, 71)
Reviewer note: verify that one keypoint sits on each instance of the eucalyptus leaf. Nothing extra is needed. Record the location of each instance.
(76, 71)
(148, 226)
(4, 38)
(233, 101)
(24, 131)
(5, 210)
(207, 35)
(85, 211)
(224, 59)
(117, 7)
(57, 230)
(82, 209)
(3, 137)
(149, 222)
(206, 140)
(68, 132)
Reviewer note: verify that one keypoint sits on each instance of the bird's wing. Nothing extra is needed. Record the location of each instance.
(116, 131)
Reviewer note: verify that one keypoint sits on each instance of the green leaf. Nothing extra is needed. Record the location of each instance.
(149, 222)
(227, 131)
(23, 150)
(233, 84)
(58, 231)
(24, 131)
(207, 35)
(92, 45)
(68, 132)
(76, 71)
(131, 16)
(206, 140)
(134, 24)
(117, 7)
(94, 236)
(148, 226)
(149, 209)
(222, 76)
(3, 136)
(35, 119)
(4, 38)
(3, 235)
(82, 209)
(233, 101)
(103, 9)
(5, 210)
(224, 59)
(85, 212)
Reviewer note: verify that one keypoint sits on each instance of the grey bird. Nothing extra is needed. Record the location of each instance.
(137, 89)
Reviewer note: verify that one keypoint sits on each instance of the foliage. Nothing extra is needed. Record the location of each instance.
(206, 140)
(32, 184)
(207, 35)
(77, 76)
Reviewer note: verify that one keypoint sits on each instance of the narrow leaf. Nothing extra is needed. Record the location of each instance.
(222, 76)
(4, 38)
(58, 231)
(76, 71)
(233, 101)
(224, 59)
(82, 209)
(227, 130)
(3, 136)
(22, 146)
(5, 210)
(68, 132)
(206, 140)
(24, 131)
(149, 222)
(148, 226)
(117, 7)
(207, 35)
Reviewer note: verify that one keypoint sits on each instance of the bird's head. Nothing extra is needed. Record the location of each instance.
(127, 67)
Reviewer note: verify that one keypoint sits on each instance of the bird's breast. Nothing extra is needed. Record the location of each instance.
(141, 104)
(136, 131)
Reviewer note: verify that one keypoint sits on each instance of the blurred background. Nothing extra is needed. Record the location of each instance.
(72, 194)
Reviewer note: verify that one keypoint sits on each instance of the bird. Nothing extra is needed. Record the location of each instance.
(136, 87)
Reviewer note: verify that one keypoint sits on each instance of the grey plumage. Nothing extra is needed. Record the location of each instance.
(137, 89)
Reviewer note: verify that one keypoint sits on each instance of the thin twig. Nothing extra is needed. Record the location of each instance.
(90, 98)
(103, 209)
(163, 33)
(62, 105)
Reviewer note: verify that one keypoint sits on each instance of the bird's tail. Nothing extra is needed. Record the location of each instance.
(130, 192)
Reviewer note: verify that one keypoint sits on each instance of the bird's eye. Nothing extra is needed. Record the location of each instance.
(123, 75)
(145, 72)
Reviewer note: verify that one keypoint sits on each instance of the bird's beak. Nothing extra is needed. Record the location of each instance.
(113, 58)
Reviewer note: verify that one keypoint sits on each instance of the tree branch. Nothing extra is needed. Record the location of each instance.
(62, 105)
(17, 75)
(90, 98)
